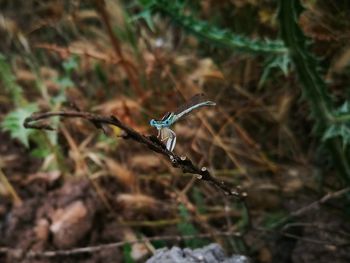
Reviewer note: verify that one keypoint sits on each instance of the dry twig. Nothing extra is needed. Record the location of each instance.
(19, 253)
(152, 142)
(317, 203)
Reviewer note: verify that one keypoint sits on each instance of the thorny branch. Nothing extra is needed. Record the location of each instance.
(152, 142)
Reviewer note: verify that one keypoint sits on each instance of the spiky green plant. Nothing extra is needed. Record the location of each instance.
(313, 86)
(206, 31)
(13, 121)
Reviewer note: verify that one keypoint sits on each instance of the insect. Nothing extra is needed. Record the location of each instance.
(163, 126)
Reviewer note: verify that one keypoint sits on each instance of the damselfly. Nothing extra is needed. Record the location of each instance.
(164, 132)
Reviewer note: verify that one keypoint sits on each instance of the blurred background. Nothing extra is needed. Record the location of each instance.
(136, 60)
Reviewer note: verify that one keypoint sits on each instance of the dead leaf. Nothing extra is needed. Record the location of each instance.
(145, 163)
(3, 190)
(341, 61)
(206, 70)
(137, 201)
(265, 255)
(185, 132)
(124, 175)
(242, 3)
(138, 250)
(117, 105)
(25, 76)
(42, 229)
(47, 177)
(70, 224)
(87, 15)
(264, 195)
(293, 185)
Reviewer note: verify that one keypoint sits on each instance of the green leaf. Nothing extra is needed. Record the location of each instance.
(281, 62)
(146, 3)
(13, 123)
(9, 81)
(331, 132)
(65, 82)
(127, 249)
(314, 87)
(40, 152)
(271, 219)
(341, 128)
(70, 64)
(342, 131)
(146, 15)
(187, 228)
(199, 200)
(343, 109)
(101, 75)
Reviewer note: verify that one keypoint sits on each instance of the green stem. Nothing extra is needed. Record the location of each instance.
(313, 86)
(215, 35)
(342, 118)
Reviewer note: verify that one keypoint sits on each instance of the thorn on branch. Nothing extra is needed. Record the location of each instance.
(152, 142)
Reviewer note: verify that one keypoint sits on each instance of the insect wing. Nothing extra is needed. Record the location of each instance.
(195, 102)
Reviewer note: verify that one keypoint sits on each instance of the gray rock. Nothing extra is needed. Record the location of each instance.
(212, 253)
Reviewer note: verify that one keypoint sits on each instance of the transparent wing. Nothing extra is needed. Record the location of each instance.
(168, 137)
(193, 103)
(171, 142)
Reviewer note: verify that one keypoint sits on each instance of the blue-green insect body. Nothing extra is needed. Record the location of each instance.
(166, 121)
(164, 132)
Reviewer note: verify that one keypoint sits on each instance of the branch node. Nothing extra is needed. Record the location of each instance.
(152, 142)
